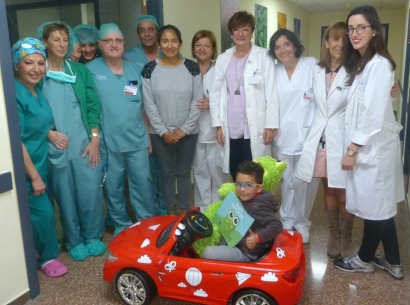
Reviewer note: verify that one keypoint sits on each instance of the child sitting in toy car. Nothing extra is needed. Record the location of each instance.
(259, 204)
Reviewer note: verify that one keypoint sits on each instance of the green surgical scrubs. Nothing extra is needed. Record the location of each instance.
(35, 120)
(75, 184)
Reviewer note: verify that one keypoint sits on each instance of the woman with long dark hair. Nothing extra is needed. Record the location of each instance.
(374, 179)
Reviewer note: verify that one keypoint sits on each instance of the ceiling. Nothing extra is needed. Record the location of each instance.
(342, 5)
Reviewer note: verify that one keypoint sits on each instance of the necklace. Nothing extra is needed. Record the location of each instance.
(239, 81)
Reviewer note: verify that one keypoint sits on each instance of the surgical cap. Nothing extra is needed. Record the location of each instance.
(86, 33)
(25, 47)
(145, 17)
(109, 28)
(71, 36)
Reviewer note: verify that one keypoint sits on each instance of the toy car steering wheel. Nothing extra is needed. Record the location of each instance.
(198, 223)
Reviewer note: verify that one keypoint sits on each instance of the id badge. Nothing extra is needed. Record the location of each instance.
(254, 79)
(309, 95)
(131, 90)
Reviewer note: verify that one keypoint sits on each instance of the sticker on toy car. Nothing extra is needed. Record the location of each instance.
(170, 266)
(269, 277)
(242, 277)
(154, 227)
(144, 259)
(135, 224)
(280, 253)
(193, 276)
(201, 293)
(145, 243)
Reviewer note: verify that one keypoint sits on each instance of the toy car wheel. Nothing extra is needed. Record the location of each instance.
(250, 297)
(135, 288)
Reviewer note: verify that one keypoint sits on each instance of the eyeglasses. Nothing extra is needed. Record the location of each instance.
(111, 41)
(246, 185)
(359, 29)
(243, 31)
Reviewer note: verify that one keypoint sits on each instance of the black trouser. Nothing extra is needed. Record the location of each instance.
(240, 150)
(380, 230)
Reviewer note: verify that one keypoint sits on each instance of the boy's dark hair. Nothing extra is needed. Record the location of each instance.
(252, 169)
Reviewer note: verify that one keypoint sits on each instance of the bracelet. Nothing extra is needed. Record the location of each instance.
(94, 134)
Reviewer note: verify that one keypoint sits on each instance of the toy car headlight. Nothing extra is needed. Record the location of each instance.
(111, 257)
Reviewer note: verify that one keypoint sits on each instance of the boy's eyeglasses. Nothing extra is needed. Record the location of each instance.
(246, 185)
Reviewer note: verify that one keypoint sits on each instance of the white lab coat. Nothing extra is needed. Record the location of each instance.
(375, 184)
(207, 133)
(261, 110)
(208, 177)
(329, 117)
(297, 108)
(296, 103)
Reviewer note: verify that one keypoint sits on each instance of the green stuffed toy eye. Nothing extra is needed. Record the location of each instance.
(271, 178)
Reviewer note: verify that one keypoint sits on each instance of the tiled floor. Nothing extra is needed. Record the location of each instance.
(324, 283)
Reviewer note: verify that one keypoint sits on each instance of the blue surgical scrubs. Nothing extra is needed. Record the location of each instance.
(124, 143)
(75, 184)
(35, 120)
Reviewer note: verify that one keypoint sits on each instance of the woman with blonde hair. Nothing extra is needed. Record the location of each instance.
(74, 144)
(208, 177)
(323, 148)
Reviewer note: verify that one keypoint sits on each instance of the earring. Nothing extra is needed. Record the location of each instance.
(374, 34)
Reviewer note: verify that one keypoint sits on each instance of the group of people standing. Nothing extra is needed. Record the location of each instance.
(151, 115)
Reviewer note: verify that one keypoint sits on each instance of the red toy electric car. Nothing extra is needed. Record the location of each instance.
(155, 255)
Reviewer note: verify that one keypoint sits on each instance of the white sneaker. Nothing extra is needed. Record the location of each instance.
(305, 236)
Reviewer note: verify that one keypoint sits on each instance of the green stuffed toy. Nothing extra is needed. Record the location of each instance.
(271, 178)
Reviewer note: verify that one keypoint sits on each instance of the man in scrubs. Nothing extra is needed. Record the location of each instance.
(125, 143)
(147, 28)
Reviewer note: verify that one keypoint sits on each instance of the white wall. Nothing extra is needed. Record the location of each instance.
(13, 277)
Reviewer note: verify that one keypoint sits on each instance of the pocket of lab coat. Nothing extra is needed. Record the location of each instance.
(392, 126)
(257, 80)
(302, 134)
(310, 113)
(367, 155)
(219, 158)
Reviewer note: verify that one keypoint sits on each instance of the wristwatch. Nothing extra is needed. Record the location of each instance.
(94, 134)
(351, 152)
